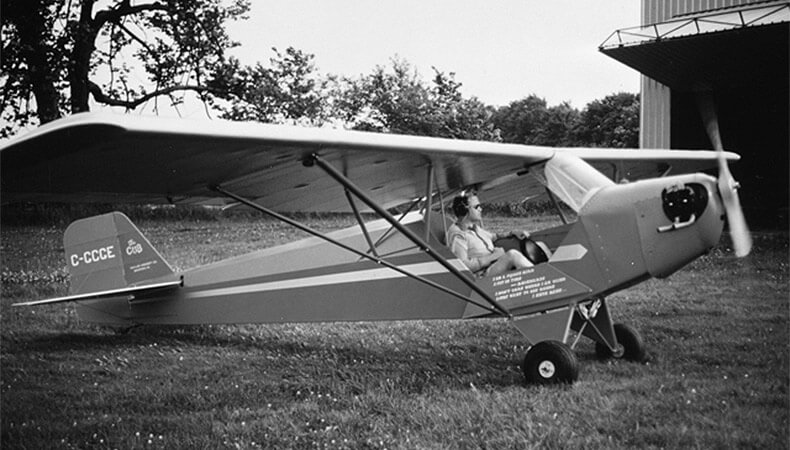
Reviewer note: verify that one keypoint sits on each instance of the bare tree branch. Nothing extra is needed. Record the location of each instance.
(135, 37)
(105, 99)
(124, 9)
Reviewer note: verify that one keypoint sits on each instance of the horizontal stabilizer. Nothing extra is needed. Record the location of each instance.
(131, 290)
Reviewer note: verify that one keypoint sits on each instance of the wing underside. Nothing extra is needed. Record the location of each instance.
(121, 158)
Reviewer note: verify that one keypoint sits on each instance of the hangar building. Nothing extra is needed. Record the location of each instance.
(738, 52)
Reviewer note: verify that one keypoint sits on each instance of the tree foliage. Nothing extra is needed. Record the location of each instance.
(522, 121)
(288, 90)
(56, 55)
(397, 100)
(559, 128)
(611, 122)
(61, 57)
(531, 121)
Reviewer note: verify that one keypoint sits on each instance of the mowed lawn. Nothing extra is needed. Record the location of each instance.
(718, 374)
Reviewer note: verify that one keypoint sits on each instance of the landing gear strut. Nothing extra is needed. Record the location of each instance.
(630, 346)
(552, 359)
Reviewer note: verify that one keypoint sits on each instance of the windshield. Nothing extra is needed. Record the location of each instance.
(571, 179)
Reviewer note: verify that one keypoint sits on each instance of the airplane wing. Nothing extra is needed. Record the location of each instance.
(152, 160)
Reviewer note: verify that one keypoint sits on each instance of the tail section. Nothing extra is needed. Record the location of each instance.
(108, 252)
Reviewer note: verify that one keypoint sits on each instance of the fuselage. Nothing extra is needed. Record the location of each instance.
(625, 234)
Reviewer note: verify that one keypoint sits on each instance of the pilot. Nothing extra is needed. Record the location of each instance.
(474, 245)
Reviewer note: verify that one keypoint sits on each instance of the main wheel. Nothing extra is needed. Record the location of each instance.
(629, 345)
(549, 362)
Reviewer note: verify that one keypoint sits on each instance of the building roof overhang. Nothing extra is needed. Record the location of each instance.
(745, 46)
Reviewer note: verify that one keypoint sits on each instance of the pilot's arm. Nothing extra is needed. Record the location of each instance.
(520, 234)
(459, 247)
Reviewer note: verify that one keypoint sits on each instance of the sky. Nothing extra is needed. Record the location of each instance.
(500, 50)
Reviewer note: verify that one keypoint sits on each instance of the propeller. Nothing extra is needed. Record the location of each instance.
(728, 186)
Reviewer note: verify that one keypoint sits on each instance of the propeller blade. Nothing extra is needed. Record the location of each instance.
(728, 186)
(739, 231)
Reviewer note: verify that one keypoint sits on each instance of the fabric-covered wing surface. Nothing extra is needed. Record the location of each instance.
(117, 158)
(124, 158)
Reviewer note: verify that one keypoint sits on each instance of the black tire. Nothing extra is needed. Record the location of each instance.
(630, 345)
(550, 362)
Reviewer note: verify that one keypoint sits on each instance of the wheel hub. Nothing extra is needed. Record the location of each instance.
(547, 369)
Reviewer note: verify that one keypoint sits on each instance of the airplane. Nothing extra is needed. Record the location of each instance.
(652, 214)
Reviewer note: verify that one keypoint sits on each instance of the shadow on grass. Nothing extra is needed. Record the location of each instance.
(416, 363)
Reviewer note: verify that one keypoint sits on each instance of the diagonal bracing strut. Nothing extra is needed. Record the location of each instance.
(346, 183)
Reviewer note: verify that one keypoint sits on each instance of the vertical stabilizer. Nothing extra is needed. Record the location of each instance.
(108, 252)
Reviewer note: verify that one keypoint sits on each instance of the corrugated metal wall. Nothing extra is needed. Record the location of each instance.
(656, 98)
(654, 117)
(662, 10)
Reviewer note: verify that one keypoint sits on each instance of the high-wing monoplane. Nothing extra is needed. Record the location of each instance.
(639, 214)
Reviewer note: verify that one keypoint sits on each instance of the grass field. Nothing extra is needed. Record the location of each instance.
(718, 374)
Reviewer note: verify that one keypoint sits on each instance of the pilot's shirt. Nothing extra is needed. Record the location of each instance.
(470, 244)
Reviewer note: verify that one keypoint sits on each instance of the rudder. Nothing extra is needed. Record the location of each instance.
(108, 252)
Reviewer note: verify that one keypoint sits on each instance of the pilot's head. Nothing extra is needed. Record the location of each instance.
(467, 205)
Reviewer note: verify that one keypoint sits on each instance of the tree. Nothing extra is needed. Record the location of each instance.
(461, 118)
(611, 122)
(390, 102)
(530, 121)
(558, 128)
(289, 90)
(56, 55)
(399, 101)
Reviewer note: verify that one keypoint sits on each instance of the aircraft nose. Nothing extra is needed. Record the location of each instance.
(688, 224)
(696, 201)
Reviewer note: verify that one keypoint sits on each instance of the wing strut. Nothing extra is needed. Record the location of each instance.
(375, 259)
(444, 216)
(386, 235)
(428, 202)
(346, 183)
(361, 223)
